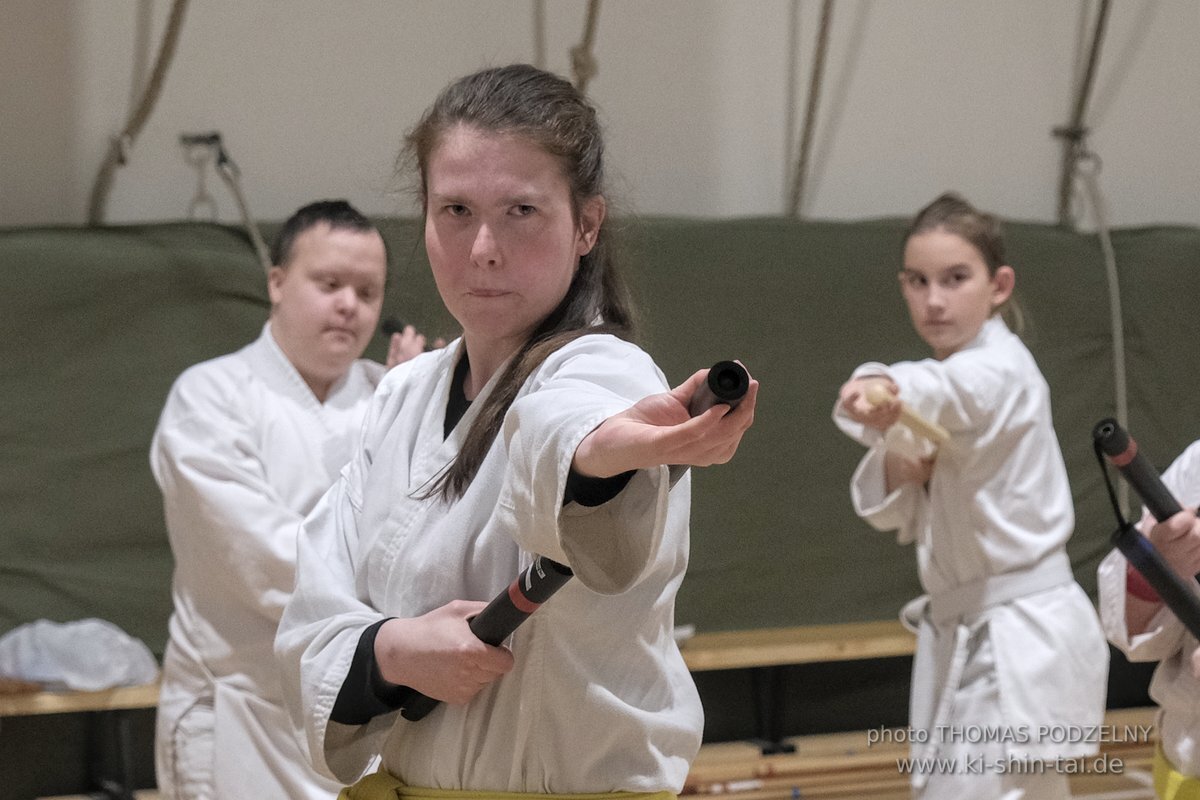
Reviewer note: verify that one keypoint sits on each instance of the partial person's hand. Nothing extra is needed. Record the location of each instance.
(657, 430)
(900, 469)
(1196, 663)
(1178, 539)
(404, 346)
(854, 403)
(438, 655)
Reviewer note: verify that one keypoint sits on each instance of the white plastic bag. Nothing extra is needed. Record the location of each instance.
(85, 655)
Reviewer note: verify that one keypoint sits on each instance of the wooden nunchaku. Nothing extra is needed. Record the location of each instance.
(877, 394)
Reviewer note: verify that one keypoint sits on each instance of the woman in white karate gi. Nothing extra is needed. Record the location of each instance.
(1009, 648)
(245, 446)
(1137, 622)
(540, 431)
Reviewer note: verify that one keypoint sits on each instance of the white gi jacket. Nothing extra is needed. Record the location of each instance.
(990, 531)
(600, 699)
(1165, 640)
(242, 452)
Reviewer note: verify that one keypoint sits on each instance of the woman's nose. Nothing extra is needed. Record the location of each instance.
(485, 250)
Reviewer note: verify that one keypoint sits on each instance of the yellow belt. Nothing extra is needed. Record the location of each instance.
(383, 786)
(1170, 783)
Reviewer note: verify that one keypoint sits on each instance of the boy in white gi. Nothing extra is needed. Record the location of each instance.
(245, 446)
(1008, 643)
(541, 431)
(1138, 623)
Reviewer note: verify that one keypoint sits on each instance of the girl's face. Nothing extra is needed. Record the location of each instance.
(949, 292)
(501, 234)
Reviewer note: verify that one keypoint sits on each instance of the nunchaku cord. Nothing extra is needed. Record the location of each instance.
(1108, 484)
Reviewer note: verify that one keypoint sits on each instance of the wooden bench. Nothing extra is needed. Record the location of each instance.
(137, 794)
(841, 765)
(805, 644)
(23, 704)
(110, 723)
(765, 647)
(847, 765)
(766, 652)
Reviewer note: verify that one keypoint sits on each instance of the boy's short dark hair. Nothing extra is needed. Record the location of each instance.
(337, 213)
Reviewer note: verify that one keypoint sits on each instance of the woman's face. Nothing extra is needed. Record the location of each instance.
(949, 292)
(500, 233)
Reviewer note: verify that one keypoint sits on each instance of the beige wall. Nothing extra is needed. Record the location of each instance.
(312, 97)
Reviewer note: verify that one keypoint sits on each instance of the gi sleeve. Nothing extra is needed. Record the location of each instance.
(218, 501)
(1162, 638)
(896, 510)
(608, 546)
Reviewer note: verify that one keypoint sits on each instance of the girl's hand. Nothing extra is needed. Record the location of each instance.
(657, 430)
(438, 655)
(854, 403)
(899, 470)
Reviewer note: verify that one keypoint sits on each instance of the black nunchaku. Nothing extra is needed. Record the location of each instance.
(727, 383)
(1123, 453)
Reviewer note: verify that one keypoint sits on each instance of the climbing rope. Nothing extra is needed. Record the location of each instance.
(1081, 167)
(583, 62)
(230, 173)
(810, 113)
(118, 151)
(1074, 133)
(539, 34)
(1088, 168)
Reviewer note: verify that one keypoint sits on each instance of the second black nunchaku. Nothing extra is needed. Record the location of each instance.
(1123, 453)
(727, 383)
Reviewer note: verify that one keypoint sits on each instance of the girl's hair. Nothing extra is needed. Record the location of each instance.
(952, 213)
(521, 100)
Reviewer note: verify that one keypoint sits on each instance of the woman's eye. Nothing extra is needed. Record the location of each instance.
(524, 210)
(456, 209)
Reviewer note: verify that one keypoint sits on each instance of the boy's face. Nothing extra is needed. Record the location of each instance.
(325, 301)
